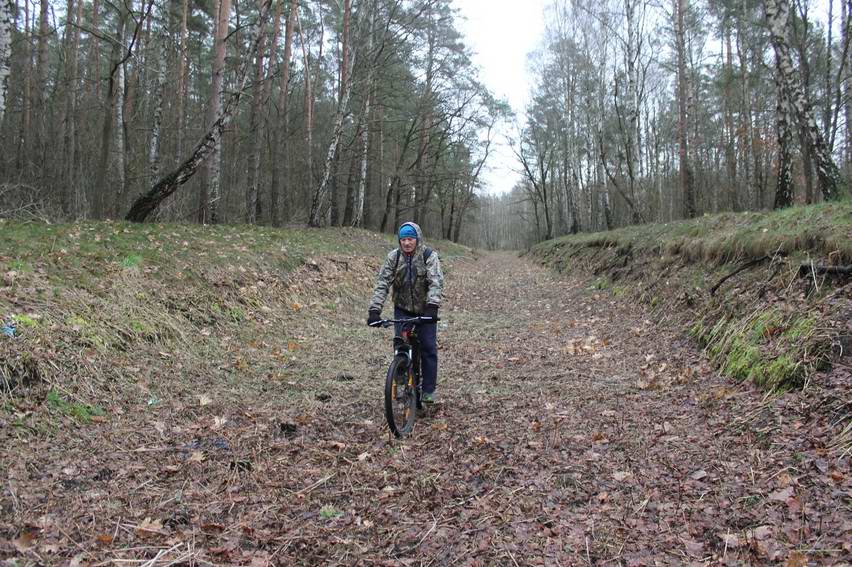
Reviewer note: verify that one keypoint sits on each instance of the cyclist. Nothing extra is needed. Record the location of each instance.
(414, 272)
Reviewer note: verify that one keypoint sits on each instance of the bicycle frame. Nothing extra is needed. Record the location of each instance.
(408, 345)
(406, 341)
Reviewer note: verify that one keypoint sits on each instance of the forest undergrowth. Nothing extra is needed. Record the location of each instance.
(176, 395)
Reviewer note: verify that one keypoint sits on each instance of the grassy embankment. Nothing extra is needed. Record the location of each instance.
(747, 286)
(114, 313)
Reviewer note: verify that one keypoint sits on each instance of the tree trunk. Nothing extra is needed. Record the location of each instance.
(182, 82)
(159, 87)
(829, 69)
(425, 130)
(344, 79)
(72, 42)
(6, 25)
(777, 15)
(41, 94)
(252, 202)
(847, 80)
(147, 203)
(110, 173)
(118, 164)
(351, 179)
(309, 108)
(375, 167)
(686, 180)
(730, 135)
(358, 215)
(210, 181)
(784, 183)
(25, 131)
(318, 203)
(95, 53)
(281, 130)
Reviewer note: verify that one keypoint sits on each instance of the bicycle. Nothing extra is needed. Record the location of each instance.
(403, 388)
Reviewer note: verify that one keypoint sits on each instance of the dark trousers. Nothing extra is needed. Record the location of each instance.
(428, 336)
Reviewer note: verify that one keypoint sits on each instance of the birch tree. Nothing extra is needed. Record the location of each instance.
(148, 202)
(777, 16)
(7, 8)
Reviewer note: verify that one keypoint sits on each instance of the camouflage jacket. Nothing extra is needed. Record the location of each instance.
(415, 282)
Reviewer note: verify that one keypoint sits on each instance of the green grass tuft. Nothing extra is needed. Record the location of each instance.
(329, 512)
(132, 261)
(78, 411)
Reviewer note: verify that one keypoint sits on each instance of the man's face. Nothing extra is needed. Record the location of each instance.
(408, 244)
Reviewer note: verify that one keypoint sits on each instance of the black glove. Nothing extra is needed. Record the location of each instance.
(431, 311)
(373, 317)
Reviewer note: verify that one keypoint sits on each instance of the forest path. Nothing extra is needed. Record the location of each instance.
(571, 430)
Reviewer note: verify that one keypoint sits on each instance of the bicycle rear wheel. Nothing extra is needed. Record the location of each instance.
(400, 397)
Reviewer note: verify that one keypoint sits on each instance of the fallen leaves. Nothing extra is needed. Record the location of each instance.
(556, 457)
(783, 495)
(148, 528)
(698, 475)
(25, 540)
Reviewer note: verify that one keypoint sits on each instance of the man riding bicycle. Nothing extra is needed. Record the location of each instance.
(414, 272)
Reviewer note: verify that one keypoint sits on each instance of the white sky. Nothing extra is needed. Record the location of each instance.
(501, 33)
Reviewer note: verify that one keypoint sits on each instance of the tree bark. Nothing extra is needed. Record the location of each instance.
(318, 203)
(686, 180)
(846, 9)
(69, 138)
(41, 95)
(147, 203)
(777, 15)
(6, 25)
(309, 108)
(25, 129)
(159, 87)
(95, 53)
(358, 215)
(344, 80)
(110, 174)
(280, 132)
(210, 181)
(255, 127)
(729, 134)
(784, 182)
(182, 83)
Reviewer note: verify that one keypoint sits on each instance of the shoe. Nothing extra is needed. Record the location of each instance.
(429, 398)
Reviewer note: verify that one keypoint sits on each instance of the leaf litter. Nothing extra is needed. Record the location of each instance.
(594, 436)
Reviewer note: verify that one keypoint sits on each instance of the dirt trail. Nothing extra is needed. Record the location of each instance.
(571, 430)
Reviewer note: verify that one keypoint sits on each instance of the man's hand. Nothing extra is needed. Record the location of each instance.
(431, 311)
(373, 317)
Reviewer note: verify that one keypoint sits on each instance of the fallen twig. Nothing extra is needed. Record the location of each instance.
(745, 266)
(807, 269)
(315, 485)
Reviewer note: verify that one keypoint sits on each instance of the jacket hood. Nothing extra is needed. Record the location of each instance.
(420, 244)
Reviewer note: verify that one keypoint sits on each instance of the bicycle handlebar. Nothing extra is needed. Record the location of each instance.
(413, 320)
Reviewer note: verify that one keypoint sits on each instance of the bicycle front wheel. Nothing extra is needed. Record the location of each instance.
(400, 397)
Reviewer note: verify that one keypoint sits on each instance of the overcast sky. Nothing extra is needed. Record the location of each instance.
(501, 33)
